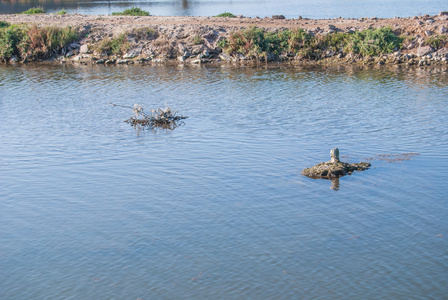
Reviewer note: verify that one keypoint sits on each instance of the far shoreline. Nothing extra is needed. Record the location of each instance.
(207, 40)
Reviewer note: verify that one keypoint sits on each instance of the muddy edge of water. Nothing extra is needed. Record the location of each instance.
(194, 40)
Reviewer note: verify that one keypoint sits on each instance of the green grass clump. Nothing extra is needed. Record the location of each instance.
(10, 38)
(258, 43)
(33, 11)
(437, 41)
(4, 24)
(374, 42)
(197, 40)
(225, 15)
(61, 12)
(118, 45)
(134, 11)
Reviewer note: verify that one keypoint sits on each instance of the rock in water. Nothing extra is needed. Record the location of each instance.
(334, 168)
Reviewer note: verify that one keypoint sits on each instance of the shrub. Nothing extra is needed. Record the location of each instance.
(225, 15)
(43, 42)
(134, 11)
(334, 42)
(256, 42)
(437, 41)
(10, 38)
(61, 12)
(197, 40)
(34, 10)
(4, 24)
(118, 45)
(222, 43)
(144, 33)
(374, 42)
(34, 42)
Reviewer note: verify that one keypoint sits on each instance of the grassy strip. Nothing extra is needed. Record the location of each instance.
(258, 43)
(225, 15)
(34, 42)
(34, 11)
(134, 11)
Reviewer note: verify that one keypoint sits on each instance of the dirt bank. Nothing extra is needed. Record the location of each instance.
(197, 39)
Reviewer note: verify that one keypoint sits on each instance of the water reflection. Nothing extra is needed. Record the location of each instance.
(335, 184)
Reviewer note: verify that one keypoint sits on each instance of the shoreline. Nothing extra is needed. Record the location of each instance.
(205, 40)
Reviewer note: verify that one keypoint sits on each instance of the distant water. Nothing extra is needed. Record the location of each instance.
(249, 8)
(90, 208)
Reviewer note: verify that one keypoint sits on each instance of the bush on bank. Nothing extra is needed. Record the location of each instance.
(134, 11)
(34, 42)
(258, 43)
(34, 11)
(225, 15)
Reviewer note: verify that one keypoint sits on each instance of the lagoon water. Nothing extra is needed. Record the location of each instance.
(91, 208)
(249, 8)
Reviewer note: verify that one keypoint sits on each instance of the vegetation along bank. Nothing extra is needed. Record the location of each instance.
(142, 38)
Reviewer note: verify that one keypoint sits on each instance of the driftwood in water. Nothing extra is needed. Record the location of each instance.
(334, 168)
(161, 118)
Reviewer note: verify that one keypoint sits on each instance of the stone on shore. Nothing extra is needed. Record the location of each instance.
(425, 50)
(84, 49)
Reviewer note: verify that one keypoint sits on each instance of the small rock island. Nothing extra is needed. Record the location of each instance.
(334, 168)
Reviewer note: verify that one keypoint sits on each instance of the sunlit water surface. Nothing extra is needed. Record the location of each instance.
(249, 8)
(90, 208)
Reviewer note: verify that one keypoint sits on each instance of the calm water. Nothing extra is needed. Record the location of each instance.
(217, 208)
(249, 8)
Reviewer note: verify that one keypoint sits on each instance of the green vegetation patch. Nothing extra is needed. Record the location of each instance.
(374, 42)
(117, 45)
(134, 11)
(225, 15)
(34, 11)
(437, 41)
(259, 43)
(61, 12)
(4, 24)
(34, 42)
(10, 39)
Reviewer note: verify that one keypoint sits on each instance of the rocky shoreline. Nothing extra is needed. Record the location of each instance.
(204, 40)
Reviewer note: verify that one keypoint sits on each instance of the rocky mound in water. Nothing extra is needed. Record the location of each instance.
(334, 168)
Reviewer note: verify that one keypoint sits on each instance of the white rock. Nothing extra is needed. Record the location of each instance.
(84, 49)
